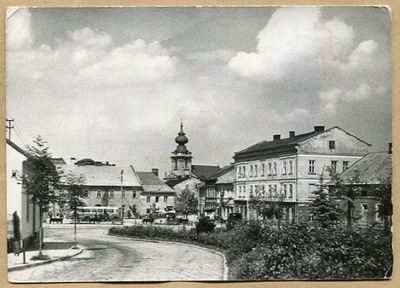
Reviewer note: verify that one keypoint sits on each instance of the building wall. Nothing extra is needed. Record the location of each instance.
(16, 199)
(157, 200)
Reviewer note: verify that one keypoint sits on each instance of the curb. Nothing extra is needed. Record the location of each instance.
(18, 268)
(225, 266)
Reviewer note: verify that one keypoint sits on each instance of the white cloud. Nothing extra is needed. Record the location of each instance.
(88, 37)
(330, 99)
(361, 93)
(298, 114)
(19, 30)
(298, 39)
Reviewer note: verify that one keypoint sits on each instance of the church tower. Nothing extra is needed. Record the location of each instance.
(181, 158)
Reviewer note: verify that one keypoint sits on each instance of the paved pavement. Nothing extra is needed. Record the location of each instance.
(108, 258)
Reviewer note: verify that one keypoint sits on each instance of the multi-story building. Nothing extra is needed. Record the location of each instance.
(216, 194)
(287, 170)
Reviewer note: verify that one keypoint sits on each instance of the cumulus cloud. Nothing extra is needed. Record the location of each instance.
(299, 37)
(19, 30)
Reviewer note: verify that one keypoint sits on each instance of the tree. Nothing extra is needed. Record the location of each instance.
(75, 194)
(222, 203)
(187, 202)
(385, 210)
(348, 190)
(40, 181)
(324, 211)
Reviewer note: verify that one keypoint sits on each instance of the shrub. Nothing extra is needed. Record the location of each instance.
(204, 225)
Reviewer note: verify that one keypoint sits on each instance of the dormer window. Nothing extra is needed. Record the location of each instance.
(331, 145)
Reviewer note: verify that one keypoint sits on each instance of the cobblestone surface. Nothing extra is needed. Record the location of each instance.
(108, 258)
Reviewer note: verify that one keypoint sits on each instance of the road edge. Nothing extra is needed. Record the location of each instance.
(225, 265)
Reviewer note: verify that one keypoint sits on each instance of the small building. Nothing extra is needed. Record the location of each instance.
(155, 195)
(286, 170)
(366, 175)
(17, 200)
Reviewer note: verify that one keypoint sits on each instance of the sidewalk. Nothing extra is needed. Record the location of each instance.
(17, 262)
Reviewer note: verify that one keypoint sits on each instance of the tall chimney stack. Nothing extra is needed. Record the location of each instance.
(319, 128)
(291, 134)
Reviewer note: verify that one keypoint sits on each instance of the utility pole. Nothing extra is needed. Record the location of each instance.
(9, 126)
(122, 198)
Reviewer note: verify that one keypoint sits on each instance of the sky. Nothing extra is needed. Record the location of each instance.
(113, 84)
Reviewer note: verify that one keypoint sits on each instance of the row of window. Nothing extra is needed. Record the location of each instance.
(286, 169)
(334, 166)
(286, 191)
(157, 199)
(111, 194)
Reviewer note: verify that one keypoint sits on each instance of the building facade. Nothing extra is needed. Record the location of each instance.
(286, 171)
(17, 200)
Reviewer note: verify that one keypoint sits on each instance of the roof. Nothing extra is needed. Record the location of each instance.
(370, 169)
(285, 145)
(16, 147)
(221, 172)
(104, 175)
(58, 161)
(204, 170)
(151, 183)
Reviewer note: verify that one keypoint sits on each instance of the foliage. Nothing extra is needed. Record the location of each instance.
(76, 192)
(300, 251)
(384, 191)
(41, 179)
(187, 202)
(323, 209)
(204, 225)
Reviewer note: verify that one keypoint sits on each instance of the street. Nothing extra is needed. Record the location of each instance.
(109, 258)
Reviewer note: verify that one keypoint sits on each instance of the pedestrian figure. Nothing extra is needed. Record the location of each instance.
(17, 234)
(96, 220)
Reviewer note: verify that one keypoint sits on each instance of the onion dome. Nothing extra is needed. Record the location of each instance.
(181, 140)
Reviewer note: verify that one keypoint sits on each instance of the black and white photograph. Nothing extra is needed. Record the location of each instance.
(154, 144)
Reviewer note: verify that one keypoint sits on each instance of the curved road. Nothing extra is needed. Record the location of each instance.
(109, 258)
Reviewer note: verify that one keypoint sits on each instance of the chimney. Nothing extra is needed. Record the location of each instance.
(319, 128)
(155, 171)
(291, 134)
(277, 137)
(390, 148)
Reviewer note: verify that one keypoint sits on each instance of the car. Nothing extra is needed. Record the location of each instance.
(234, 219)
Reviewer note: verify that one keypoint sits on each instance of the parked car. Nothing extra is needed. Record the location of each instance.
(234, 219)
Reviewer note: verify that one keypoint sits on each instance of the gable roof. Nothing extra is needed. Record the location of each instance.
(285, 145)
(16, 147)
(104, 175)
(204, 170)
(151, 183)
(370, 169)
(221, 172)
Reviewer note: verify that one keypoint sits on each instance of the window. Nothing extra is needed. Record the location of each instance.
(364, 208)
(290, 190)
(331, 145)
(133, 194)
(251, 170)
(251, 190)
(186, 164)
(283, 167)
(112, 194)
(157, 199)
(165, 199)
(274, 169)
(269, 168)
(263, 170)
(240, 172)
(244, 171)
(311, 166)
(175, 164)
(270, 190)
(333, 165)
(290, 167)
(345, 165)
(98, 194)
(284, 190)
(378, 217)
(123, 194)
(255, 170)
(148, 198)
(275, 190)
